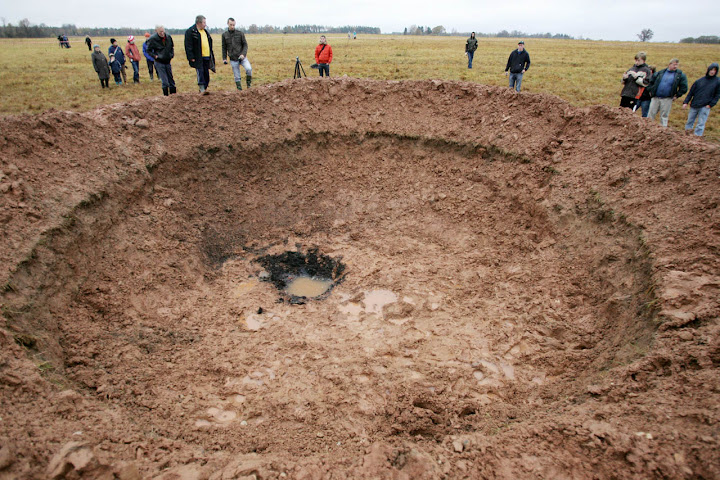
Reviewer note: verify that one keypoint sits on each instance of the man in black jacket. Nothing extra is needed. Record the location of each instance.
(198, 48)
(704, 94)
(235, 46)
(666, 86)
(161, 48)
(518, 63)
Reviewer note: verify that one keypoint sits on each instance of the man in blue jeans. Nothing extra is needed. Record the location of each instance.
(703, 95)
(518, 63)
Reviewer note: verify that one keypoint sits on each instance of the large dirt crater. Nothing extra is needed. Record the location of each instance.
(529, 290)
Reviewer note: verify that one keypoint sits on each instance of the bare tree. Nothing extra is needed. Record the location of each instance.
(645, 34)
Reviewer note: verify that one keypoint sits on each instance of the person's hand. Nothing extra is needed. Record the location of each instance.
(708, 106)
(225, 62)
(507, 74)
(192, 60)
(684, 105)
(523, 71)
(241, 57)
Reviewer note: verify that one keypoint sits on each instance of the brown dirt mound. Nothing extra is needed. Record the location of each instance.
(531, 290)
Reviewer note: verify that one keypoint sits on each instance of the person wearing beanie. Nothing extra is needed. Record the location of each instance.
(235, 46)
(148, 58)
(703, 95)
(115, 68)
(115, 51)
(101, 66)
(133, 54)
(162, 50)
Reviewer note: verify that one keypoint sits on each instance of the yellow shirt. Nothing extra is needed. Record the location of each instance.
(205, 43)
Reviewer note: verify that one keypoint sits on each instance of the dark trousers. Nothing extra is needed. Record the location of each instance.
(324, 67)
(136, 70)
(165, 73)
(150, 65)
(628, 102)
(470, 58)
(104, 82)
(203, 72)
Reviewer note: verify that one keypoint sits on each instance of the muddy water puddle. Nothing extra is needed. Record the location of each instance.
(308, 287)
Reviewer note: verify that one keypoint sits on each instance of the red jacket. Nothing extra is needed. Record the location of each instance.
(325, 56)
(132, 52)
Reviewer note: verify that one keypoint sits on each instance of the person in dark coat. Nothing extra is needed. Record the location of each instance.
(198, 48)
(161, 48)
(235, 47)
(517, 64)
(703, 95)
(119, 55)
(645, 98)
(115, 68)
(668, 85)
(101, 66)
(637, 77)
(148, 59)
(88, 42)
(470, 47)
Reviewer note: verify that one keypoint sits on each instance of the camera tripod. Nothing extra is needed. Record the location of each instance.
(299, 70)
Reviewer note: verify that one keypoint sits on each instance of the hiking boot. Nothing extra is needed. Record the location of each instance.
(202, 88)
(173, 90)
(165, 91)
(248, 80)
(238, 85)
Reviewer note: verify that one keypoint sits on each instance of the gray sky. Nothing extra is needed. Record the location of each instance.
(601, 19)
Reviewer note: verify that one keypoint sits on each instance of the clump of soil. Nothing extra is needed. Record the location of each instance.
(527, 289)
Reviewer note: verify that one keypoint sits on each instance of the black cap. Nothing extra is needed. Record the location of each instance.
(521, 42)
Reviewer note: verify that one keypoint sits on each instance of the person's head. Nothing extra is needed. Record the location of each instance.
(147, 35)
(472, 35)
(323, 40)
(712, 70)
(521, 46)
(113, 41)
(131, 39)
(160, 30)
(96, 48)
(673, 65)
(231, 24)
(640, 58)
(200, 22)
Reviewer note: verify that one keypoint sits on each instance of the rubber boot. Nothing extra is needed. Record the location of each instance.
(248, 80)
(165, 91)
(202, 88)
(239, 85)
(173, 90)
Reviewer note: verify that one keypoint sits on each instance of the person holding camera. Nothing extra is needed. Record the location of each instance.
(323, 56)
(635, 80)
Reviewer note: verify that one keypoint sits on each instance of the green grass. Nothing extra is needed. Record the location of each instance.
(38, 75)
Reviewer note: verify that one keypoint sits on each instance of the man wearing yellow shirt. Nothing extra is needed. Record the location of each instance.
(198, 48)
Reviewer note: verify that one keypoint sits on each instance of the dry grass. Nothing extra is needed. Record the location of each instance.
(37, 75)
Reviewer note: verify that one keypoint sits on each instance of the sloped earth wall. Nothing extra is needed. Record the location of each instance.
(531, 289)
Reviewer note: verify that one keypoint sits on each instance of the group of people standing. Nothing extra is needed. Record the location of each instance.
(654, 92)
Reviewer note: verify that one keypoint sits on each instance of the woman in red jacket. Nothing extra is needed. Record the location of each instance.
(323, 56)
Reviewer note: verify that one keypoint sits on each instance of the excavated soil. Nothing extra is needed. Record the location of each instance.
(530, 290)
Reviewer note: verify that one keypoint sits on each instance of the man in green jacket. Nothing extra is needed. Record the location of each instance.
(235, 46)
(667, 85)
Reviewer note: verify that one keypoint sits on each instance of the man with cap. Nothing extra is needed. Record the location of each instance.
(133, 54)
(117, 52)
(517, 64)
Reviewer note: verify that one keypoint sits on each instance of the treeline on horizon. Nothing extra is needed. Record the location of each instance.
(24, 29)
(440, 30)
(702, 39)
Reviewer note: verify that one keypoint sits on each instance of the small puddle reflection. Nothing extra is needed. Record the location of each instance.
(308, 287)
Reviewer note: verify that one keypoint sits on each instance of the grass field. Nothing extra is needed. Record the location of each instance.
(37, 75)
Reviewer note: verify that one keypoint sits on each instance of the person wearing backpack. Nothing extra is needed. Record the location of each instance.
(117, 52)
(470, 47)
(323, 56)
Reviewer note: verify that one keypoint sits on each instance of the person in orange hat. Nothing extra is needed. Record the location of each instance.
(133, 54)
(148, 58)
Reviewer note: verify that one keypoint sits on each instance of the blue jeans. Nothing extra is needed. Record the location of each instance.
(470, 57)
(203, 72)
(245, 63)
(701, 114)
(516, 80)
(645, 107)
(324, 67)
(164, 71)
(136, 70)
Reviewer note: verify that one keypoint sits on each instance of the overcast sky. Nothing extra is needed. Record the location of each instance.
(601, 19)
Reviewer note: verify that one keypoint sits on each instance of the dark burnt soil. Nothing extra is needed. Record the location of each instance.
(530, 290)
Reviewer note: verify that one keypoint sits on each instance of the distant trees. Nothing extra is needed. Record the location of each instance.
(645, 34)
(439, 30)
(712, 39)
